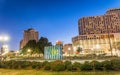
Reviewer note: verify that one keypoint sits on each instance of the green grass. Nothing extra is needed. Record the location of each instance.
(37, 72)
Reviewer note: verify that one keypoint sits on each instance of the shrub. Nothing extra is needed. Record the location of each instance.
(86, 66)
(69, 67)
(76, 66)
(36, 65)
(58, 66)
(115, 64)
(62, 66)
(25, 64)
(47, 67)
(3, 65)
(45, 63)
(96, 65)
(107, 65)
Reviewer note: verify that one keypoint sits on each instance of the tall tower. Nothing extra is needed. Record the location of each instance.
(30, 34)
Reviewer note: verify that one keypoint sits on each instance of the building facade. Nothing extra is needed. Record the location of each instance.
(66, 51)
(28, 35)
(109, 22)
(99, 34)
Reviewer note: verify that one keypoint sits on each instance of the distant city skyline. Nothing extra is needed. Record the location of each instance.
(54, 19)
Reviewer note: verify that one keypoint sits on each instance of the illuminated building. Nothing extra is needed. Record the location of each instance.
(99, 34)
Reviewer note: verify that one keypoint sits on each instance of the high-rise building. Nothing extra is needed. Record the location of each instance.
(98, 34)
(28, 35)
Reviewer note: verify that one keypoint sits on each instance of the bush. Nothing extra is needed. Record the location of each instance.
(58, 66)
(115, 64)
(47, 67)
(62, 66)
(107, 65)
(96, 65)
(3, 65)
(68, 65)
(25, 64)
(36, 65)
(45, 63)
(76, 66)
(86, 66)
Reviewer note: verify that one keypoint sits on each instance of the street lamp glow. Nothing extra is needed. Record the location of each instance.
(69, 51)
(29, 50)
(98, 46)
(69, 48)
(4, 38)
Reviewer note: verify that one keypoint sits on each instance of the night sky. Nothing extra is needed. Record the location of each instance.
(54, 19)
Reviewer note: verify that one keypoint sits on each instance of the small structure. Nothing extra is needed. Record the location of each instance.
(53, 52)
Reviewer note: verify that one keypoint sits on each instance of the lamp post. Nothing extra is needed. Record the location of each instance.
(69, 51)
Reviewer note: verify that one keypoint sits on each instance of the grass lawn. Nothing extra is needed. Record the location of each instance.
(35, 72)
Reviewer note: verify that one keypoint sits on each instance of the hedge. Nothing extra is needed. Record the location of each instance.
(59, 65)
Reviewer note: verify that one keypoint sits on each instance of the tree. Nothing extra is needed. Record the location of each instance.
(32, 45)
(36, 47)
(43, 41)
(79, 49)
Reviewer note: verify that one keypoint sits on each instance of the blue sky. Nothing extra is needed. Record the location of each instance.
(54, 19)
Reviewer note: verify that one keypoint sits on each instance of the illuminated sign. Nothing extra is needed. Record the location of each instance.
(53, 52)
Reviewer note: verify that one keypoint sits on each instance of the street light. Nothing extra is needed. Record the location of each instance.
(69, 51)
(4, 38)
